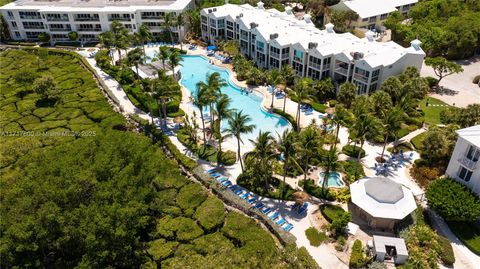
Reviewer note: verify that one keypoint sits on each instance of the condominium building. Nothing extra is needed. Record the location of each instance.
(372, 13)
(274, 39)
(26, 19)
(464, 164)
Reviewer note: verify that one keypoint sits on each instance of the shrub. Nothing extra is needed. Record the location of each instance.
(191, 196)
(352, 151)
(349, 170)
(313, 189)
(180, 228)
(339, 224)
(229, 157)
(452, 200)
(476, 79)
(210, 213)
(315, 237)
(417, 141)
(331, 212)
(357, 257)
(340, 246)
(377, 265)
(468, 233)
(160, 249)
(424, 175)
(446, 251)
(332, 103)
(432, 82)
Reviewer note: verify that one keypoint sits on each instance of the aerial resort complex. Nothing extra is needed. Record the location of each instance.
(274, 39)
(27, 19)
(322, 134)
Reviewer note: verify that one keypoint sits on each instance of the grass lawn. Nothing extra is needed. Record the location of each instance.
(331, 212)
(468, 233)
(432, 112)
(417, 140)
(315, 236)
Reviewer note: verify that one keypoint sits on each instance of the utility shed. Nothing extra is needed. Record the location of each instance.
(390, 248)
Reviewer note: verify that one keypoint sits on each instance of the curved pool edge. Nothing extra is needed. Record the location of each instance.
(333, 186)
(231, 78)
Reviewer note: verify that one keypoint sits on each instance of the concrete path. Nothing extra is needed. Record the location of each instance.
(459, 88)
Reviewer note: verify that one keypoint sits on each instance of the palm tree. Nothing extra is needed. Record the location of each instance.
(174, 59)
(273, 78)
(288, 77)
(179, 22)
(302, 91)
(223, 111)
(238, 125)
(169, 22)
(121, 39)
(287, 146)
(162, 91)
(145, 35)
(162, 55)
(199, 100)
(136, 57)
(263, 153)
(308, 144)
(106, 39)
(342, 117)
(365, 127)
(392, 122)
(214, 83)
(330, 162)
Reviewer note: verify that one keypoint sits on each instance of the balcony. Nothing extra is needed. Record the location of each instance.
(274, 55)
(285, 56)
(341, 70)
(119, 19)
(89, 30)
(57, 19)
(153, 18)
(32, 27)
(60, 29)
(360, 77)
(468, 163)
(25, 17)
(316, 66)
(87, 19)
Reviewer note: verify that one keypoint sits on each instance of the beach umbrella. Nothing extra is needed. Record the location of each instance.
(300, 197)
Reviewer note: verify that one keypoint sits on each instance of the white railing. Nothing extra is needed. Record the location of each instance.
(470, 164)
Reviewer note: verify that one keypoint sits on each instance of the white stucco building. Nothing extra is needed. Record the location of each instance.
(26, 19)
(464, 163)
(273, 39)
(372, 13)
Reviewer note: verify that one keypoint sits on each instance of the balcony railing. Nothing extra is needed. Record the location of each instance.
(316, 66)
(341, 70)
(87, 19)
(90, 30)
(26, 17)
(153, 18)
(360, 77)
(60, 29)
(285, 56)
(119, 19)
(470, 164)
(31, 27)
(57, 19)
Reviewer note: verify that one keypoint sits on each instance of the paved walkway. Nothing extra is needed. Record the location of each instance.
(459, 88)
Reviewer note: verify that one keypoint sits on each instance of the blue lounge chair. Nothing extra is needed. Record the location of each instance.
(244, 196)
(238, 191)
(221, 179)
(288, 227)
(274, 216)
(212, 170)
(281, 221)
(259, 205)
(303, 208)
(266, 210)
(233, 187)
(215, 174)
(252, 200)
(227, 183)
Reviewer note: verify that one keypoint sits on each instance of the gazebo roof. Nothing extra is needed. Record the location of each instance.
(383, 198)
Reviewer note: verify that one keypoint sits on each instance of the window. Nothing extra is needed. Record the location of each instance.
(213, 23)
(204, 19)
(315, 62)
(230, 25)
(17, 34)
(372, 88)
(372, 19)
(375, 75)
(221, 23)
(298, 56)
(383, 16)
(57, 17)
(32, 35)
(14, 24)
(29, 15)
(464, 173)
(10, 14)
(32, 25)
(473, 153)
(365, 19)
(274, 52)
(314, 74)
(274, 63)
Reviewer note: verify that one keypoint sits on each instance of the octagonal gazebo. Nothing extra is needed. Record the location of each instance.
(381, 202)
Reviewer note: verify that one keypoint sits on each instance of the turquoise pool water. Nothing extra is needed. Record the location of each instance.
(334, 179)
(195, 69)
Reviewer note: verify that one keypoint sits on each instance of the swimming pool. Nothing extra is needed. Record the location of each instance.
(195, 69)
(334, 179)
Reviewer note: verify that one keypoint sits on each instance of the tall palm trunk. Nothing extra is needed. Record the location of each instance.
(384, 146)
(305, 169)
(219, 153)
(358, 158)
(285, 168)
(336, 136)
(325, 178)
(284, 102)
(273, 97)
(164, 109)
(203, 126)
(238, 152)
(119, 56)
(298, 116)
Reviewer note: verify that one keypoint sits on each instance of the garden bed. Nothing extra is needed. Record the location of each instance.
(331, 212)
